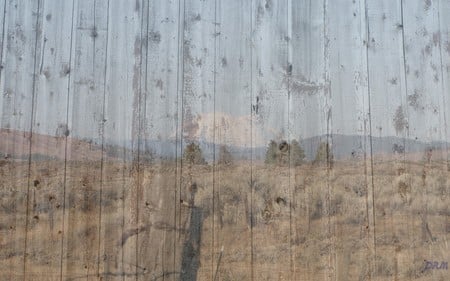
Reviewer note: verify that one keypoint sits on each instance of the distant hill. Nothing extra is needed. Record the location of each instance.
(14, 144)
(354, 146)
(344, 147)
(351, 147)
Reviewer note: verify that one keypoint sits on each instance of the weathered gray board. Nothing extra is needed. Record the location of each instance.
(101, 101)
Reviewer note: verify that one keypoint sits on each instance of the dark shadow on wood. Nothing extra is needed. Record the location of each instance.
(190, 259)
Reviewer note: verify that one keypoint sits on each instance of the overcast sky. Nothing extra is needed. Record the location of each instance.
(218, 73)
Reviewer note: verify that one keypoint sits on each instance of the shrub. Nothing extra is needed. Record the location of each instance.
(193, 154)
(225, 157)
(281, 153)
(297, 153)
(271, 153)
(324, 153)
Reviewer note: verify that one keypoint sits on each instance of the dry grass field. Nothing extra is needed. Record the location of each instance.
(115, 221)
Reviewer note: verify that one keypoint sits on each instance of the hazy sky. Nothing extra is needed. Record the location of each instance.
(223, 72)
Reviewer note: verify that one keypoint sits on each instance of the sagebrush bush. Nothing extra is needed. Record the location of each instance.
(193, 154)
(324, 153)
(225, 157)
(285, 153)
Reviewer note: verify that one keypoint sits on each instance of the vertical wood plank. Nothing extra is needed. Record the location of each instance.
(5, 222)
(423, 58)
(159, 177)
(444, 52)
(117, 251)
(444, 188)
(422, 55)
(197, 124)
(295, 154)
(19, 44)
(270, 221)
(331, 206)
(4, 227)
(310, 116)
(86, 122)
(179, 234)
(19, 35)
(348, 85)
(130, 255)
(47, 157)
(138, 128)
(395, 175)
(231, 249)
(3, 26)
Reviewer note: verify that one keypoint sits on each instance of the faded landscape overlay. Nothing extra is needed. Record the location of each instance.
(224, 140)
(99, 215)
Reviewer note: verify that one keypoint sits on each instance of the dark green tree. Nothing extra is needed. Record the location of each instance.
(297, 153)
(225, 157)
(271, 153)
(279, 153)
(193, 154)
(324, 153)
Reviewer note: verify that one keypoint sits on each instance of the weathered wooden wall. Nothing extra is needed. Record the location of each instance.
(99, 100)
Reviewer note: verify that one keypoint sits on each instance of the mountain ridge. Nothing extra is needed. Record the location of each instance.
(343, 147)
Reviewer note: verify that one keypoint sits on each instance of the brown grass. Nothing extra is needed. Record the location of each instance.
(303, 223)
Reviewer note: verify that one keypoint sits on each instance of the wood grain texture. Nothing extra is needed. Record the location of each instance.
(117, 250)
(84, 185)
(424, 78)
(381, 39)
(233, 121)
(349, 85)
(444, 51)
(309, 86)
(157, 242)
(46, 181)
(20, 35)
(224, 140)
(3, 38)
(197, 121)
(271, 115)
